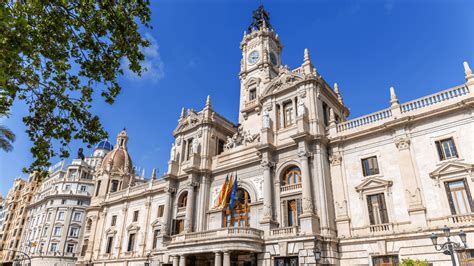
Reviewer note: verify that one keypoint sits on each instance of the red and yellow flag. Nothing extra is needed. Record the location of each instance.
(227, 192)
(221, 194)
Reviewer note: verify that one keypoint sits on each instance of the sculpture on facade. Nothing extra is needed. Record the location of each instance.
(173, 152)
(241, 137)
(80, 154)
(301, 107)
(266, 119)
(194, 146)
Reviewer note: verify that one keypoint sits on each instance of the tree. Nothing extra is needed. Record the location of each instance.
(54, 55)
(7, 137)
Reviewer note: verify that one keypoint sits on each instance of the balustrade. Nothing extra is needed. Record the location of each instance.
(290, 187)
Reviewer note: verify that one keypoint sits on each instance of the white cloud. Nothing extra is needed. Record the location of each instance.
(153, 64)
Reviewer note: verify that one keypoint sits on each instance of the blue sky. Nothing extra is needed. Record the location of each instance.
(366, 46)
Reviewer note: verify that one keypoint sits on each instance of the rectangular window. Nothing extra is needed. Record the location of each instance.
(131, 242)
(161, 209)
(377, 209)
(57, 231)
(110, 240)
(252, 94)
(113, 222)
(98, 188)
(156, 233)
(61, 216)
(74, 232)
(68, 187)
(54, 247)
(45, 231)
(70, 248)
(370, 166)
(80, 202)
(388, 260)
(220, 146)
(460, 200)
(178, 226)
(294, 212)
(288, 114)
(77, 217)
(325, 114)
(135, 216)
(83, 188)
(115, 184)
(446, 149)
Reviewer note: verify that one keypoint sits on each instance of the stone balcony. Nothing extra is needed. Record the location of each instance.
(248, 239)
(457, 220)
(290, 188)
(284, 232)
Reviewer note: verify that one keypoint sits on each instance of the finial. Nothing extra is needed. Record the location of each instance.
(208, 101)
(338, 93)
(468, 71)
(306, 55)
(153, 173)
(183, 110)
(393, 97)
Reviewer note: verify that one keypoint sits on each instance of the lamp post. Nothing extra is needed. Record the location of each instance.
(316, 252)
(449, 247)
(147, 262)
(21, 252)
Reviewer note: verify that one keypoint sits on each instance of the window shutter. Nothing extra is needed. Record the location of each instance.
(371, 211)
(383, 208)
(450, 198)
(440, 151)
(285, 213)
(454, 152)
(468, 193)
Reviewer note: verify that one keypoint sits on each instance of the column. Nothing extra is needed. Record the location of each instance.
(282, 117)
(175, 260)
(226, 258)
(267, 191)
(182, 260)
(204, 189)
(188, 221)
(307, 200)
(167, 210)
(218, 259)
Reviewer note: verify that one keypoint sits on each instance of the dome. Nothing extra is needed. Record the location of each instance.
(104, 145)
(118, 160)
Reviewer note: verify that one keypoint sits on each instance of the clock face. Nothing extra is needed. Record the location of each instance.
(273, 58)
(253, 57)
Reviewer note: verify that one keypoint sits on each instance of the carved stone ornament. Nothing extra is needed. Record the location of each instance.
(192, 118)
(335, 159)
(192, 184)
(241, 138)
(267, 211)
(266, 119)
(301, 107)
(402, 142)
(307, 205)
(303, 154)
(341, 208)
(267, 164)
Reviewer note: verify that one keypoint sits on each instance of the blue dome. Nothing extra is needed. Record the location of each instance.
(105, 145)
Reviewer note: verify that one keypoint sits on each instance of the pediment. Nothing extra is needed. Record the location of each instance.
(133, 227)
(192, 119)
(283, 81)
(156, 222)
(252, 81)
(110, 231)
(373, 183)
(450, 168)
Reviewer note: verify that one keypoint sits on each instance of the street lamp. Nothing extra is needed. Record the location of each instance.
(316, 252)
(449, 247)
(147, 262)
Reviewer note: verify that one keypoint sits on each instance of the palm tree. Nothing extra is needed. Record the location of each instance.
(7, 137)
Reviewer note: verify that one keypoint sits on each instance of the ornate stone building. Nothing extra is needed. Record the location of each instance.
(365, 191)
(16, 203)
(56, 214)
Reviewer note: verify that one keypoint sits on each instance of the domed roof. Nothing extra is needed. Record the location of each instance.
(118, 160)
(104, 145)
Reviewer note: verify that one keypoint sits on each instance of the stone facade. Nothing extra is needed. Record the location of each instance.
(56, 214)
(360, 191)
(17, 202)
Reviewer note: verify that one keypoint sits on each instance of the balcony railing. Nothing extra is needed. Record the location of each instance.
(284, 231)
(462, 218)
(374, 228)
(290, 187)
(224, 233)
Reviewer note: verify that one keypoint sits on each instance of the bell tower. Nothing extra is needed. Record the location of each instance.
(261, 50)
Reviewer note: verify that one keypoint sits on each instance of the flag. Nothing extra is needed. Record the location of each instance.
(227, 192)
(221, 194)
(233, 194)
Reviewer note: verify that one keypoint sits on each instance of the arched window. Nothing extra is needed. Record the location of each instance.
(183, 200)
(239, 216)
(292, 176)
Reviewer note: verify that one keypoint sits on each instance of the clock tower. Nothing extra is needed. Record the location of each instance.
(261, 50)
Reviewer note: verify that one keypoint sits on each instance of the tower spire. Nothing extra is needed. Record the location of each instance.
(468, 72)
(183, 110)
(338, 93)
(208, 101)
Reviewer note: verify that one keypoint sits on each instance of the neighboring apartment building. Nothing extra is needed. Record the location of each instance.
(365, 191)
(2, 214)
(17, 201)
(54, 224)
